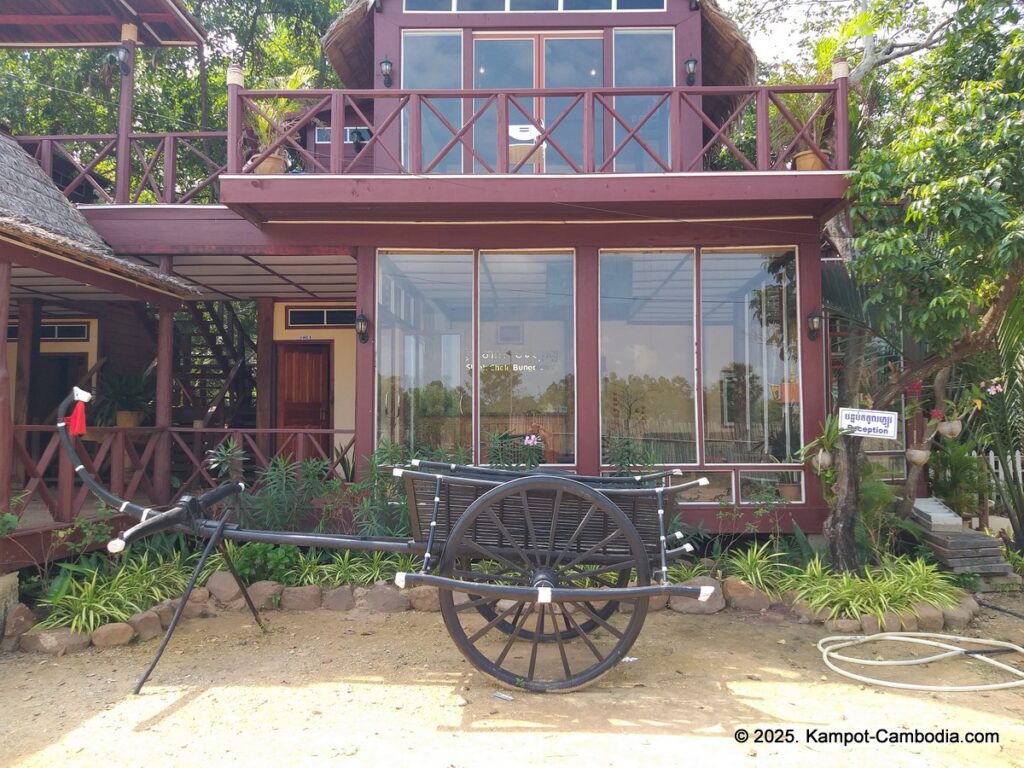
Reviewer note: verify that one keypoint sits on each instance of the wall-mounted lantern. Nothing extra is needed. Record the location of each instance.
(691, 71)
(385, 70)
(814, 324)
(362, 328)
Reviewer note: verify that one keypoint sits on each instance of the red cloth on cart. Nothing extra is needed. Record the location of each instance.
(76, 421)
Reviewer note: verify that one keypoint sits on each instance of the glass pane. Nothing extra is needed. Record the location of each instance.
(433, 61)
(480, 5)
(751, 367)
(533, 5)
(424, 332)
(527, 350)
(643, 58)
(341, 317)
(72, 331)
(570, 63)
(587, 5)
(429, 5)
(499, 64)
(771, 488)
(641, 5)
(647, 355)
(305, 317)
(719, 490)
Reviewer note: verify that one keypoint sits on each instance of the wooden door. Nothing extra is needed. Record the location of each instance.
(304, 390)
(53, 376)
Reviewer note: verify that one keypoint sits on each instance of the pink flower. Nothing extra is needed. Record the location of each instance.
(937, 414)
(995, 389)
(530, 440)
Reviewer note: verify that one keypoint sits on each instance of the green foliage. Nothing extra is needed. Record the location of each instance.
(630, 456)
(508, 451)
(288, 492)
(382, 509)
(1016, 559)
(897, 585)
(759, 565)
(878, 528)
(122, 392)
(958, 476)
(684, 571)
(8, 522)
(258, 561)
(227, 460)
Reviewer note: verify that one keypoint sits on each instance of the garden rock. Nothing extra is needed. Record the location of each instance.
(657, 603)
(908, 622)
(265, 594)
(56, 642)
(199, 595)
(301, 598)
(958, 617)
(192, 610)
(340, 599)
(146, 625)
(383, 598)
(871, 626)
(165, 611)
(929, 618)
(424, 598)
(803, 609)
(844, 626)
(744, 596)
(20, 620)
(223, 587)
(714, 604)
(968, 602)
(113, 634)
(9, 644)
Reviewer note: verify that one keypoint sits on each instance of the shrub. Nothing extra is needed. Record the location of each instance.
(759, 565)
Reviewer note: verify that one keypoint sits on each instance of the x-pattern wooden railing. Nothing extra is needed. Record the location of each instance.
(123, 460)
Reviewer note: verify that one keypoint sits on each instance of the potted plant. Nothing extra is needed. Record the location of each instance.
(278, 114)
(124, 400)
(802, 107)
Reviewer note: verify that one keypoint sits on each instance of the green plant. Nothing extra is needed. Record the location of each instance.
(94, 601)
(959, 477)
(8, 522)
(684, 571)
(878, 528)
(827, 440)
(1015, 558)
(87, 532)
(122, 392)
(373, 567)
(278, 113)
(341, 568)
(381, 509)
(307, 570)
(227, 459)
(259, 561)
(629, 456)
(759, 565)
(288, 492)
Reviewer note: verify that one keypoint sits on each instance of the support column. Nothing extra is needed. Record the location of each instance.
(29, 318)
(125, 108)
(6, 425)
(265, 371)
(588, 365)
(812, 357)
(366, 303)
(164, 382)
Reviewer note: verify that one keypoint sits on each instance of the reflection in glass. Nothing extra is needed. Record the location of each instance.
(750, 361)
(433, 61)
(424, 328)
(570, 63)
(527, 350)
(718, 490)
(647, 365)
(500, 64)
(771, 488)
(643, 58)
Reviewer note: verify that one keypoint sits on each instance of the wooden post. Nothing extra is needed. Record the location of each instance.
(29, 316)
(366, 303)
(126, 105)
(164, 380)
(588, 367)
(265, 371)
(841, 75)
(6, 425)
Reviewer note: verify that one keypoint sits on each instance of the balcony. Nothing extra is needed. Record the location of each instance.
(367, 153)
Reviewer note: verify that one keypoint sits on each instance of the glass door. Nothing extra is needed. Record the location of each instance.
(500, 64)
(570, 62)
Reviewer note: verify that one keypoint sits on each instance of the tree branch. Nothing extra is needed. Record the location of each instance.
(893, 50)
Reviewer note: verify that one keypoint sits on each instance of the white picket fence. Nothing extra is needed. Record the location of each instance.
(999, 472)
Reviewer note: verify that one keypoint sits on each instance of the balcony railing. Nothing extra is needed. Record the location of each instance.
(536, 131)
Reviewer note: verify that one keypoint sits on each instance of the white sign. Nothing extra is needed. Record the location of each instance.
(881, 424)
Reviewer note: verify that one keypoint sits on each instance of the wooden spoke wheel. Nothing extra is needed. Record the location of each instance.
(534, 532)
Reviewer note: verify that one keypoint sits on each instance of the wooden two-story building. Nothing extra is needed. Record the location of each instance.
(578, 219)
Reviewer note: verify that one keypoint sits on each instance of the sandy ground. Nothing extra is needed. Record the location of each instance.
(334, 689)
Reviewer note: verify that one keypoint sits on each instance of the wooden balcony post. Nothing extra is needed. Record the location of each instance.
(589, 133)
(170, 170)
(236, 81)
(65, 511)
(265, 369)
(46, 156)
(6, 425)
(29, 315)
(126, 105)
(337, 131)
(841, 75)
(164, 379)
(502, 136)
(764, 148)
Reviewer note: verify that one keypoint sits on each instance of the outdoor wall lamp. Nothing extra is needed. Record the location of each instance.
(124, 59)
(362, 328)
(385, 70)
(694, 5)
(813, 324)
(691, 71)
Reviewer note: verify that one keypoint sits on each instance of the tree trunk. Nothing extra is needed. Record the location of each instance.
(906, 505)
(839, 525)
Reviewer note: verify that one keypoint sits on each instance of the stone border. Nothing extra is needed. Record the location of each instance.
(223, 594)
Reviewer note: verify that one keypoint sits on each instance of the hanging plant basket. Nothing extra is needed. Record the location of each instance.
(821, 460)
(950, 429)
(918, 456)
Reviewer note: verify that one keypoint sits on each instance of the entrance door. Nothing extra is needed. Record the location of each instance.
(53, 375)
(304, 389)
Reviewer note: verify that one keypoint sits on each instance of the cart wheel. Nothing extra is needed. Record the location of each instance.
(542, 531)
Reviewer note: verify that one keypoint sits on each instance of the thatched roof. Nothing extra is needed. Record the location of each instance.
(35, 215)
(728, 57)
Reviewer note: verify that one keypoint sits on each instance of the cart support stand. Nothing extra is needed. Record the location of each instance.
(215, 540)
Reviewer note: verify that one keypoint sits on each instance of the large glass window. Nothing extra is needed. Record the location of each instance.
(433, 61)
(527, 350)
(424, 331)
(643, 58)
(570, 63)
(502, 64)
(750, 361)
(647, 355)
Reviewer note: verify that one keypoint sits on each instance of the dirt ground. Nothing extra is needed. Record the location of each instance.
(325, 688)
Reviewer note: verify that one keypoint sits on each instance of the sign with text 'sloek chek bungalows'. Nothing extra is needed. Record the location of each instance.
(883, 424)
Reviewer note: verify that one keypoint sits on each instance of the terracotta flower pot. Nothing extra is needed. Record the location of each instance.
(272, 164)
(808, 161)
(918, 456)
(129, 419)
(950, 429)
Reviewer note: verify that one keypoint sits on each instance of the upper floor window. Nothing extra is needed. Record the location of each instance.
(492, 6)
